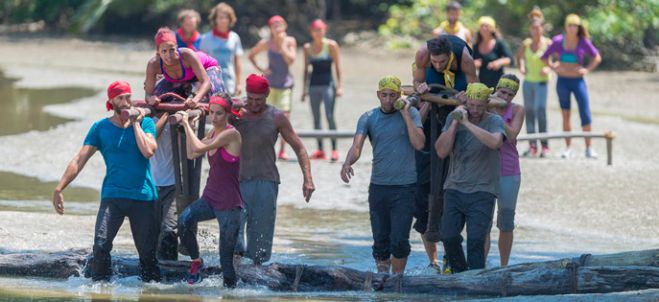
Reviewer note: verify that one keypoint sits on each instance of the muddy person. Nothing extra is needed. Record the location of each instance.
(472, 137)
(221, 199)
(259, 125)
(128, 190)
(447, 61)
(281, 50)
(394, 136)
(513, 119)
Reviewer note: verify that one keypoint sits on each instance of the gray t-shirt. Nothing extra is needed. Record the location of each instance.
(224, 51)
(393, 155)
(474, 167)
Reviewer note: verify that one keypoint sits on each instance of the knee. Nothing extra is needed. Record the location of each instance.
(400, 249)
(451, 240)
(185, 221)
(506, 220)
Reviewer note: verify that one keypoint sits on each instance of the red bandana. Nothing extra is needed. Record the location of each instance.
(188, 41)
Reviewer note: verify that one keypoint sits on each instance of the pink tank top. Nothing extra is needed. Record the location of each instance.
(222, 189)
(508, 153)
(188, 73)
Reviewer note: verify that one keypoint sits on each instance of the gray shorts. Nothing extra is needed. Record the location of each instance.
(507, 202)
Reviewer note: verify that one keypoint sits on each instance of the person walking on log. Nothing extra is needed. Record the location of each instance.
(281, 54)
(447, 61)
(394, 136)
(472, 137)
(128, 189)
(221, 198)
(184, 71)
(259, 125)
(513, 119)
(321, 53)
(570, 48)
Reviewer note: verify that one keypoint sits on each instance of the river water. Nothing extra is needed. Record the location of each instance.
(566, 208)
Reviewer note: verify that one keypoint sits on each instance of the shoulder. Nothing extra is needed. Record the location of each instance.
(291, 40)
(527, 42)
(332, 43)
(495, 119)
(153, 61)
(557, 38)
(422, 56)
(231, 132)
(306, 46)
(517, 108)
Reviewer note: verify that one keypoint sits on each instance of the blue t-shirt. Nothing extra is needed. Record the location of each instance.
(127, 172)
(393, 155)
(225, 52)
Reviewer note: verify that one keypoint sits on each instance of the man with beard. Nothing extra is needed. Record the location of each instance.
(128, 188)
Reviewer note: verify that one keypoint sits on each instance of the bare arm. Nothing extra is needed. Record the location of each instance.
(519, 58)
(161, 123)
(150, 82)
(353, 155)
(594, 63)
(444, 144)
(286, 129)
(512, 130)
(259, 47)
(421, 61)
(288, 50)
(468, 66)
(238, 68)
(72, 170)
(305, 70)
(145, 141)
(416, 136)
(336, 57)
(191, 59)
(196, 147)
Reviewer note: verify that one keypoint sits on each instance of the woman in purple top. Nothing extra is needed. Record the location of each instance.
(570, 49)
(183, 70)
(221, 198)
(513, 119)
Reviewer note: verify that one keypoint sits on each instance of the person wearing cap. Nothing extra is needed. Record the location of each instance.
(510, 181)
(188, 73)
(321, 53)
(570, 49)
(221, 198)
(259, 125)
(452, 24)
(394, 136)
(128, 190)
(491, 52)
(472, 137)
(281, 50)
(224, 45)
(187, 35)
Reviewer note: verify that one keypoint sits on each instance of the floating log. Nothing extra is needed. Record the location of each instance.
(586, 274)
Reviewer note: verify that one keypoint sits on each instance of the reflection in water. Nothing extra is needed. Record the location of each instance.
(18, 187)
(23, 108)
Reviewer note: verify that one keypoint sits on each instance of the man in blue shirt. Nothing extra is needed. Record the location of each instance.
(394, 136)
(128, 189)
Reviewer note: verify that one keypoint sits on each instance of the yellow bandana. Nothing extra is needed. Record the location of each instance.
(508, 83)
(389, 82)
(446, 27)
(487, 20)
(572, 19)
(478, 91)
(449, 76)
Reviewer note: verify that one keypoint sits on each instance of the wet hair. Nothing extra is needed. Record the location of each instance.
(440, 46)
(511, 77)
(453, 5)
(188, 13)
(223, 8)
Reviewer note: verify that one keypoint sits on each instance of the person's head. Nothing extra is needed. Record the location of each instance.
(477, 98)
(453, 11)
(536, 23)
(507, 87)
(574, 27)
(119, 94)
(166, 47)
(220, 111)
(222, 17)
(258, 89)
(318, 29)
(487, 27)
(388, 92)
(188, 19)
(277, 25)
(440, 50)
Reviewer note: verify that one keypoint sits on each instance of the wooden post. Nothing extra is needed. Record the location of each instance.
(609, 147)
(173, 129)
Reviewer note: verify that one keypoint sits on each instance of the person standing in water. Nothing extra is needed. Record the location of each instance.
(570, 49)
(221, 198)
(321, 54)
(281, 50)
(128, 189)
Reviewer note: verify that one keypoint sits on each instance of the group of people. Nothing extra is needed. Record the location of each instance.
(242, 186)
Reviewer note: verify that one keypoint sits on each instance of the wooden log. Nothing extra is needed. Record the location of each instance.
(586, 274)
(192, 113)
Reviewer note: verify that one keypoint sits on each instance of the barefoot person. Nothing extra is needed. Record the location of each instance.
(473, 140)
(570, 49)
(321, 54)
(513, 119)
(259, 125)
(128, 190)
(281, 54)
(221, 198)
(394, 136)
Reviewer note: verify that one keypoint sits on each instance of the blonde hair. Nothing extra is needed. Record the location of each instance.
(536, 15)
(223, 8)
(188, 13)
